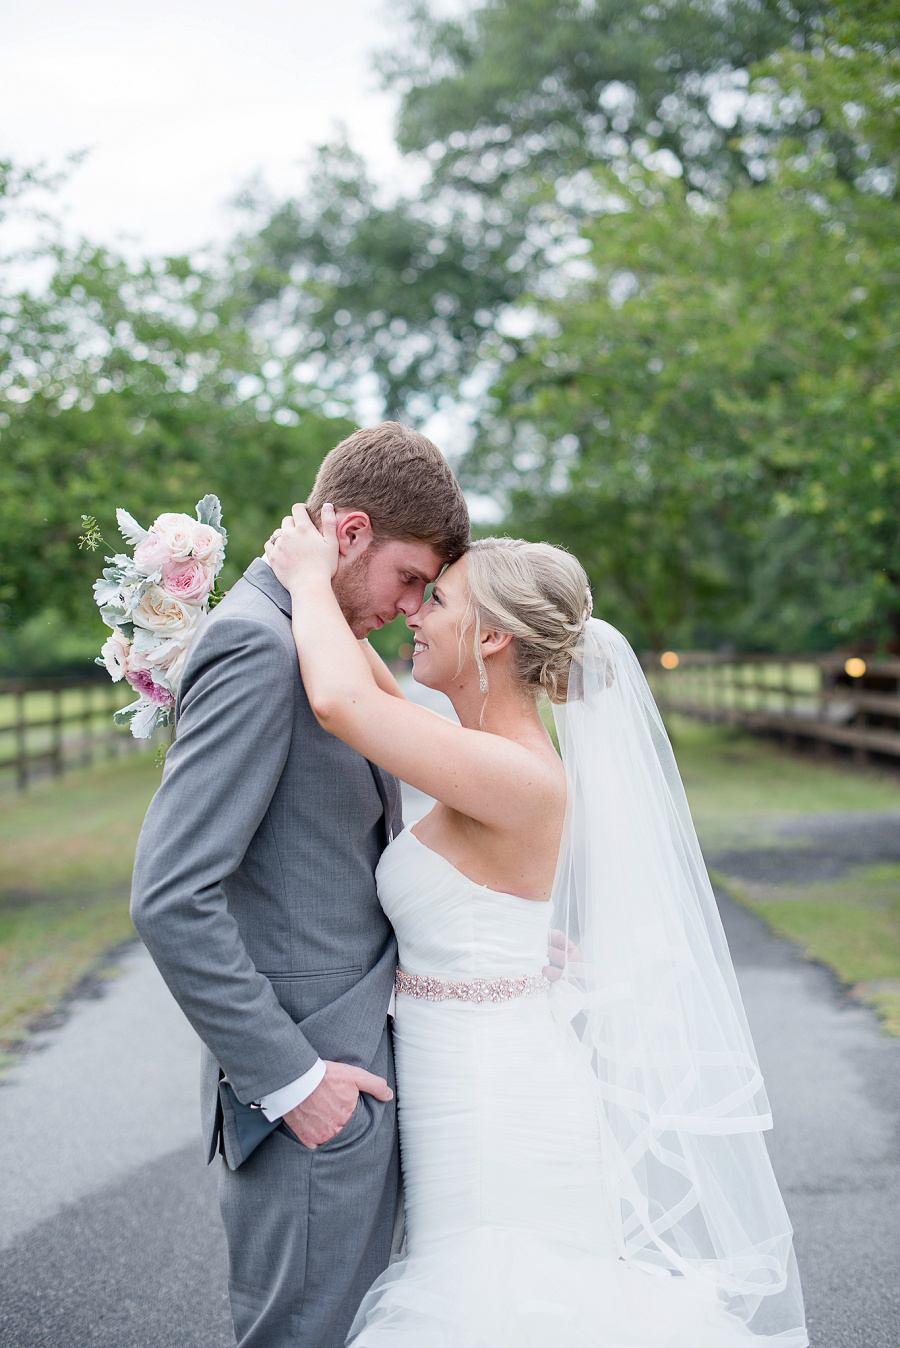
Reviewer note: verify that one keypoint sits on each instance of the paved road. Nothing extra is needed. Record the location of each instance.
(109, 1233)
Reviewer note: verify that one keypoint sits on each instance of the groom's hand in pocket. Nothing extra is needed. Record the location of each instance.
(323, 1113)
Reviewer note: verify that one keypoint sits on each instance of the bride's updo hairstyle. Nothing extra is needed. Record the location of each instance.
(536, 593)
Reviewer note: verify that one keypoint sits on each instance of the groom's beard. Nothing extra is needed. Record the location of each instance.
(352, 589)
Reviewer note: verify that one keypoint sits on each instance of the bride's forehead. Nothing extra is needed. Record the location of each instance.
(452, 582)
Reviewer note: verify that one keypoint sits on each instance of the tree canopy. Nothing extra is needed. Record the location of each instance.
(710, 416)
(138, 385)
(656, 249)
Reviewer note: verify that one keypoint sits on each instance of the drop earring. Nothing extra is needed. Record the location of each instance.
(482, 682)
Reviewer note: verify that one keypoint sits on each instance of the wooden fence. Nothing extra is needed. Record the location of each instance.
(48, 726)
(828, 701)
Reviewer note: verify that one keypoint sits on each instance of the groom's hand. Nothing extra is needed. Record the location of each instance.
(322, 1115)
(560, 953)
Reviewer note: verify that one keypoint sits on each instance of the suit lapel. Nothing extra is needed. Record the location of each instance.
(263, 578)
(261, 575)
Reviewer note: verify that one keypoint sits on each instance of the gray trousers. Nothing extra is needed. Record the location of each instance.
(309, 1230)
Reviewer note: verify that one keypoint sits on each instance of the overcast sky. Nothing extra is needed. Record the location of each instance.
(181, 102)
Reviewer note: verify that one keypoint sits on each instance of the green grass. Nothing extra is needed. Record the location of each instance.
(738, 789)
(66, 852)
(851, 924)
(731, 778)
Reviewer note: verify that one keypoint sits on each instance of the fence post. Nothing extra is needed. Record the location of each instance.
(87, 704)
(21, 753)
(57, 764)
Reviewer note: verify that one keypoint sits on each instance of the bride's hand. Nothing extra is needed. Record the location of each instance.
(298, 551)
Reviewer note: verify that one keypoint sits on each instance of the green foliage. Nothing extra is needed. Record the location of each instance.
(710, 421)
(850, 77)
(549, 87)
(506, 111)
(140, 386)
(401, 292)
(709, 418)
(693, 206)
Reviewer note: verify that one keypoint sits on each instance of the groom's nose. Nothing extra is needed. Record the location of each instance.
(411, 601)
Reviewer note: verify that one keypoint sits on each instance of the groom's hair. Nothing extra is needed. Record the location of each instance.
(403, 483)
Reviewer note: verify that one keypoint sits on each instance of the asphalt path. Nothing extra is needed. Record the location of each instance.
(109, 1231)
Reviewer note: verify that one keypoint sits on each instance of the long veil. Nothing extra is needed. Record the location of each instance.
(650, 998)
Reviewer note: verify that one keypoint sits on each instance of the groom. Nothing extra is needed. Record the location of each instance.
(254, 892)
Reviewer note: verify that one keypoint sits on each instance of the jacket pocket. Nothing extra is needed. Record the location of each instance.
(303, 993)
(354, 970)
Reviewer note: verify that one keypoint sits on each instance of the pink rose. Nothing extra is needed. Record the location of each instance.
(114, 653)
(188, 581)
(209, 546)
(141, 678)
(151, 555)
(176, 532)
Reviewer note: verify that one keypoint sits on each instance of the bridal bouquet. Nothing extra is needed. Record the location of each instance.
(155, 602)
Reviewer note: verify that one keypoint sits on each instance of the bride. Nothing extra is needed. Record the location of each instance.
(583, 1159)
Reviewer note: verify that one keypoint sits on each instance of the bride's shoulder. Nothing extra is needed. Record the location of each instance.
(538, 778)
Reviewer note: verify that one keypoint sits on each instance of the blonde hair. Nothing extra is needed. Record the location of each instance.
(536, 593)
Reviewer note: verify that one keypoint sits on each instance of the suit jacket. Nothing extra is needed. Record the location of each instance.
(254, 883)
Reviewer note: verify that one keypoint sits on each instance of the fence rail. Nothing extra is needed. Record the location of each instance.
(48, 726)
(829, 701)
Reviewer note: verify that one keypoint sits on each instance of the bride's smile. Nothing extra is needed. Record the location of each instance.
(438, 657)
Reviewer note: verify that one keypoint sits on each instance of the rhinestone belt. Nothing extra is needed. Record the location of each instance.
(432, 989)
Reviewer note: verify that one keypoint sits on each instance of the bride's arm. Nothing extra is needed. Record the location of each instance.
(383, 676)
(482, 775)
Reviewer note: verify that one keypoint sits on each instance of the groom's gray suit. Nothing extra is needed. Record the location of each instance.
(254, 891)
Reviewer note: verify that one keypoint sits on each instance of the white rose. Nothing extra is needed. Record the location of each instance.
(167, 660)
(176, 532)
(209, 546)
(164, 614)
(114, 654)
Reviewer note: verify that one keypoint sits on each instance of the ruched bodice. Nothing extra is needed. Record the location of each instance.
(450, 926)
(509, 1236)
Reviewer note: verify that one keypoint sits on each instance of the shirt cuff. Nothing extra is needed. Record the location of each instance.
(278, 1103)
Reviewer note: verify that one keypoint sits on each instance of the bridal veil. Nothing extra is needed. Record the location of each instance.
(650, 1000)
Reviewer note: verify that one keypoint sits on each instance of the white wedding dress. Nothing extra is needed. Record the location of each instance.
(509, 1238)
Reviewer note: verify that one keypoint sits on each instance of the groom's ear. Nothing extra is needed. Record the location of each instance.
(354, 533)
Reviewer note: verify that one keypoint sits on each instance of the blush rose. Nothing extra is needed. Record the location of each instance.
(188, 581)
(151, 555)
(141, 678)
(209, 546)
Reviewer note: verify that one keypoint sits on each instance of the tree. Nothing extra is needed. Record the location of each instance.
(547, 88)
(139, 385)
(397, 293)
(710, 419)
(507, 111)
